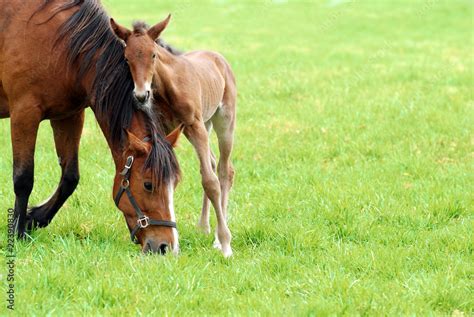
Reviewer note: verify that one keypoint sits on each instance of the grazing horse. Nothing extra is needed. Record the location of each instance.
(56, 58)
(197, 89)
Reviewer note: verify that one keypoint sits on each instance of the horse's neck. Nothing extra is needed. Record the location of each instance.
(114, 149)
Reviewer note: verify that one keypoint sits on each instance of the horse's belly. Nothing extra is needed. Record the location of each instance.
(4, 111)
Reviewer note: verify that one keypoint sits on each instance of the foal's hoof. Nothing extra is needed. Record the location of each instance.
(226, 251)
(204, 227)
(217, 244)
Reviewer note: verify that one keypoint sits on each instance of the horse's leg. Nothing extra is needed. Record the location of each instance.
(197, 135)
(25, 119)
(224, 123)
(67, 135)
(204, 220)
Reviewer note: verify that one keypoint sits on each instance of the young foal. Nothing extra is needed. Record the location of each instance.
(199, 90)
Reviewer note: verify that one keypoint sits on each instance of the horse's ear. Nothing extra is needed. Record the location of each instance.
(121, 32)
(155, 31)
(135, 145)
(173, 137)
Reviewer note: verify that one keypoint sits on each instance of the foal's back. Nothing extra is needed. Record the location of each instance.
(215, 77)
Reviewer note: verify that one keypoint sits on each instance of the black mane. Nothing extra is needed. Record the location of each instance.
(92, 46)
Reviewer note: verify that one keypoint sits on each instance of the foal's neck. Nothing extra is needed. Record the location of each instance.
(166, 70)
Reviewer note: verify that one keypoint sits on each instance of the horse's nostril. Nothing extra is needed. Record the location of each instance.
(163, 248)
(152, 246)
(148, 248)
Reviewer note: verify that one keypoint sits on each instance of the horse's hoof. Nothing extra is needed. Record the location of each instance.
(32, 220)
(226, 251)
(31, 224)
(19, 232)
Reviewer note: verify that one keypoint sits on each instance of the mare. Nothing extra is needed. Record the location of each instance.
(58, 57)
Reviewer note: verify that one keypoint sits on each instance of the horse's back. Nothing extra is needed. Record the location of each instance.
(12, 12)
(32, 67)
(215, 70)
(8, 11)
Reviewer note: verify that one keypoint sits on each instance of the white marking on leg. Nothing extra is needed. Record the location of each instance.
(173, 218)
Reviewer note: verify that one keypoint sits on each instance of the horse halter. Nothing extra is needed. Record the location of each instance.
(143, 220)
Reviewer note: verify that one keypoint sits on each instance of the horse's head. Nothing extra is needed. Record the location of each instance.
(147, 202)
(141, 52)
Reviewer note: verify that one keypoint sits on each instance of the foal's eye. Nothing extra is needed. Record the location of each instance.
(148, 186)
(153, 56)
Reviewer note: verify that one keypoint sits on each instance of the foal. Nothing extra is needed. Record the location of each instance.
(198, 90)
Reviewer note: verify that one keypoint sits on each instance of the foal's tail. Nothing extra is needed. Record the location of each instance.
(230, 90)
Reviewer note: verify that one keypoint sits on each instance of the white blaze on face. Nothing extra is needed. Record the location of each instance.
(173, 218)
(148, 86)
(142, 92)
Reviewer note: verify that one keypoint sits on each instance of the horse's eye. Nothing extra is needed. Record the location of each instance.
(148, 186)
(153, 56)
(126, 60)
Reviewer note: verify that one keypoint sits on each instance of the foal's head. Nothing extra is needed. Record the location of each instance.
(145, 199)
(141, 52)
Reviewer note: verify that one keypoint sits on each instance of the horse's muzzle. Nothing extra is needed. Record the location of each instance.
(156, 247)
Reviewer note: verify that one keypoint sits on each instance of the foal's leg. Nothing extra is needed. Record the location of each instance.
(224, 123)
(204, 220)
(197, 135)
(67, 135)
(25, 118)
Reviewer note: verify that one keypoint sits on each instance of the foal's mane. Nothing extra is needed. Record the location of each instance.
(140, 27)
(92, 44)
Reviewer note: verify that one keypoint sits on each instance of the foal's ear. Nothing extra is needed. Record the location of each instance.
(135, 145)
(155, 31)
(121, 32)
(173, 137)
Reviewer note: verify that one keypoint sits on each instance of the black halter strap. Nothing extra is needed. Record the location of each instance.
(143, 220)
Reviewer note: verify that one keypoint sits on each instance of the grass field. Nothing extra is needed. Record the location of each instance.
(354, 173)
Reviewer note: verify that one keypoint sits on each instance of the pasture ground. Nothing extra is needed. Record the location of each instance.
(354, 173)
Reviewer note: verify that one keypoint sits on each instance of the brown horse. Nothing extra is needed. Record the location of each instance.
(56, 58)
(198, 89)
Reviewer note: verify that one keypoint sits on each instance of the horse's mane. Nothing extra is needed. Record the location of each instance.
(89, 39)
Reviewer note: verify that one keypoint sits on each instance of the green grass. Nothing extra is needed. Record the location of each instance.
(354, 173)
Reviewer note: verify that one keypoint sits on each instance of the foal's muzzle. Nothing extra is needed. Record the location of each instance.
(142, 97)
